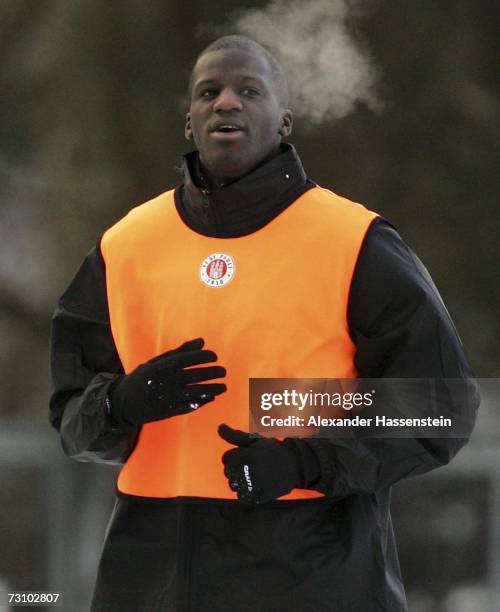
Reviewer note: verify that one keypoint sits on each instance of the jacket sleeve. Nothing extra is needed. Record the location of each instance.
(401, 329)
(84, 364)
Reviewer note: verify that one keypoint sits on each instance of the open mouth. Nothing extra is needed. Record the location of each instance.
(226, 126)
(227, 131)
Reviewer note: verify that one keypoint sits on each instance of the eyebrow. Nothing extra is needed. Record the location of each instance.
(215, 82)
(205, 82)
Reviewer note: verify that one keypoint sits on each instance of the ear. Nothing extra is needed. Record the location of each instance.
(286, 123)
(188, 132)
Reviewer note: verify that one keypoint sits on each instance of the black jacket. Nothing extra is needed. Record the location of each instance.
(335, 553)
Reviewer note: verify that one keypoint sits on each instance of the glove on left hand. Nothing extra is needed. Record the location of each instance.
(261, 469)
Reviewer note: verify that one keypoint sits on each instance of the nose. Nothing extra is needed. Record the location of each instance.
(227, 100)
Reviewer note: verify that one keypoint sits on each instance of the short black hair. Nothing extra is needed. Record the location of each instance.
(244, 43)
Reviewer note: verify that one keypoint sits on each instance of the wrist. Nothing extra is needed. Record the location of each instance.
(113, 402)
(308, 467)
(109, 413)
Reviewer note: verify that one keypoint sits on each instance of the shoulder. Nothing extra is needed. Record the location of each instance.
(332, 203)
(388, 258)
(331, 215)
(331, 208)
(147, 211)
(143, 217)
(389, 278)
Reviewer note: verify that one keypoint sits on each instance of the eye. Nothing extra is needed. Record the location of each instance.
(250, 91)
(208, 93)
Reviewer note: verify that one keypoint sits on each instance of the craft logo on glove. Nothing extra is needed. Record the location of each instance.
(246, 469)
(217, 270)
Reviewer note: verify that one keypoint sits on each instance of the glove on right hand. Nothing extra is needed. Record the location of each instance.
(167, 386)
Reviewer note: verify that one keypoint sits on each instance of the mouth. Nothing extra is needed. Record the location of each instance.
(227, 131)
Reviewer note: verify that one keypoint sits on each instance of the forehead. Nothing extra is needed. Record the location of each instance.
(232, 63)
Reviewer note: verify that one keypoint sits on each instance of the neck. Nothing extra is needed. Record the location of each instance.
(245, 204)
(210, 180)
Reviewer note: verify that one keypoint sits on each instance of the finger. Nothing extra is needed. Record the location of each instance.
(190, 345)
(194, 375)
(197, 395)
(190, 404)
(234, 436)
(196, 404)
(233, 482)
(234, 485)
(248, 499)
(191, 358)
(232, 475)
(196, 391)
(231, 464)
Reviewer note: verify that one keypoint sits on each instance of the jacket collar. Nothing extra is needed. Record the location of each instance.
(246, 204)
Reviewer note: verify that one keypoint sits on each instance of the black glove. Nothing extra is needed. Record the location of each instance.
(166, 386)
(262, 469)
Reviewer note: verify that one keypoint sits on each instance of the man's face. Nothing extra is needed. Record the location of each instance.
(235, 117)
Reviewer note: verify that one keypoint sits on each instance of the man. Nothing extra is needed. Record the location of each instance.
(276, 277)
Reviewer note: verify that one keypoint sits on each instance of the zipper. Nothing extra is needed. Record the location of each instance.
(210, 211)
(206, 198)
